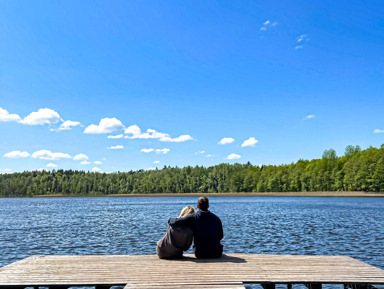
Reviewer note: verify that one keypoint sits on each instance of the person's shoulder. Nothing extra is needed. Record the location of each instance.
(215, 216)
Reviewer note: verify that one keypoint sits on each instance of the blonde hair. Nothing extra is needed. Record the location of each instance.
(186, 211)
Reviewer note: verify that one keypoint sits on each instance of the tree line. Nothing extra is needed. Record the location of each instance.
(356, 170)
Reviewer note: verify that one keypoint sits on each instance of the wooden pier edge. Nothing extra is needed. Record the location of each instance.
(231, 271)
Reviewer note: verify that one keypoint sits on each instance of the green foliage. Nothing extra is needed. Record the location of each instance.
(357, 170)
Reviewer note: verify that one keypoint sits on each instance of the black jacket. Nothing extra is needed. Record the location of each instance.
(175, 240)
(207, 233)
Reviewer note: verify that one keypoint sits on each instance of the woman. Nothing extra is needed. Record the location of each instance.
(176, 239)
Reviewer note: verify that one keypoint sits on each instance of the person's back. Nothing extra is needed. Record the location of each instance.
(176, 239)
(174, 242)
(207, 235)
(207, 230)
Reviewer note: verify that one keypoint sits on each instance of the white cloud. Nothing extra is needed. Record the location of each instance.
(85, 163)
(209, 156)
(42, 116)
(250, 142)
(118, 147)
(48, 155)
(6, 116)
(162, 151)
(151, 169)
(116, 136)
(199, 152)
(267, 24)
(226, 140)
(156, 162)
(134, 132)
(51, 165)
(80, 157)
(147, 150)
(96, 170)
(181, 138)
(378, 131)
(7, 170)
(300, 40)
(133, 129)
(17, 154)
(106, 125)
(309, 116)
(97, 162)
(233, 157)
(66, 125)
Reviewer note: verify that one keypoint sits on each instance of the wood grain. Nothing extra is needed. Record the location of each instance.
(147, 271)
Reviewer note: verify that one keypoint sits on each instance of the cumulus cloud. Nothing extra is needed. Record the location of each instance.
(118, 147)
(66, 125)
(48, 155)
(96, 170)
(147, 150)
(85, 163)
(97, 162)
(158, 151)
(42, 116)
(51, 165)
(80, 157)
(209, 156)
(106, 125)
(233, 157)
(134, 132)
(17, 154)
(309, 116)
(151, 169)
(378, 131)
(162, 151)
(181, 138)
(226, 140)
(251, 142)
(5, 116)
(156, 162)
(116, 136)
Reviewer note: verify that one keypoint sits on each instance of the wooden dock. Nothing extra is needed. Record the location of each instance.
(229, 272)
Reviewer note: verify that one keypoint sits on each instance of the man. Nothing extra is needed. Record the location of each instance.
(207, 230)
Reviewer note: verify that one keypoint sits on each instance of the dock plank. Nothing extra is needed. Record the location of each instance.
(147, 271)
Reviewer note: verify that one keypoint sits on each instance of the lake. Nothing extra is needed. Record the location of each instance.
(132, 225)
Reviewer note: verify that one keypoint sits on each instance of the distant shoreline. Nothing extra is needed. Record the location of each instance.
(268, 194)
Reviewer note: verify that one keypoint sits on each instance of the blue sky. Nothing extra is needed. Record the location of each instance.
(127, 85)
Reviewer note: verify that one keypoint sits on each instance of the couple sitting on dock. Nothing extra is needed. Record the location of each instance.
(203, 227)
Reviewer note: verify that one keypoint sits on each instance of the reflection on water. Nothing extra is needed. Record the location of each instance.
(260, 225)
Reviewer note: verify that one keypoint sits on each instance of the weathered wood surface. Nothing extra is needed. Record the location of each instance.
(147, 271)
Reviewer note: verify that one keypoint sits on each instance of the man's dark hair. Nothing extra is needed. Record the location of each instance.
(203, 203)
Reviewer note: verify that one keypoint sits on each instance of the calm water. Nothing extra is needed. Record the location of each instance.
(267, 225)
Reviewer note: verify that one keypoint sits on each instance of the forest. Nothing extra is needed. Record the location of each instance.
(356, 170)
